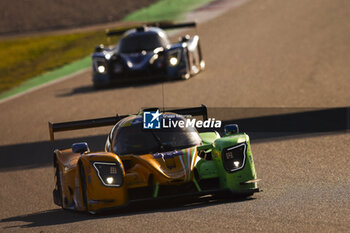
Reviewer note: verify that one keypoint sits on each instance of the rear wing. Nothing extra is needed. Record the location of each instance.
(108, 121)
(84, 124)
(162, 25)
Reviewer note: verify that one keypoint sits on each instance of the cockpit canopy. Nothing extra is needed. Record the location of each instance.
(129, 137)
(144, 39)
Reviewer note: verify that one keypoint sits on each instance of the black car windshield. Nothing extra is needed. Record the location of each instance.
(136, 43)
(133, 139)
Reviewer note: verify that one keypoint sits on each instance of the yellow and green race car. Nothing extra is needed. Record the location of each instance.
(152, 155)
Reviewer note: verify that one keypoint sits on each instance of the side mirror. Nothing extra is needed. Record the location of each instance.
(99, 48)
(231, 129)
(184, 38)
(204, 147)
(80, 147)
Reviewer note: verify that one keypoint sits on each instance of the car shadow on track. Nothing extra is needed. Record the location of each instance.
(260, 129)
(16, 156)
(90, 88)
(282, 123)
(60, 216)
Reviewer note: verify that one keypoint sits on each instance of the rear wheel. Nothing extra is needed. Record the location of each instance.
(57, 192)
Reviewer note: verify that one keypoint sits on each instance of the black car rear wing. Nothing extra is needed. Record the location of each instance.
(162, 25)
(84, 124)
(108, 121)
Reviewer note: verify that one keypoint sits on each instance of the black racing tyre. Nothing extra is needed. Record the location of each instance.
(97, 86)
(83, 186)
(57, 193)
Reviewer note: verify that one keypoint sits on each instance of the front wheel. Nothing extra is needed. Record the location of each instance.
(97, 86)
(83, 186)
(57, 192)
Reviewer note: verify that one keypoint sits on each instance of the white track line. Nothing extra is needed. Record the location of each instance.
(61, 79)
(200, 15)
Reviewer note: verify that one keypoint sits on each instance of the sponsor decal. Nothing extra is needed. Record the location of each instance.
(151, 120)
(167, 155)
(157, 120)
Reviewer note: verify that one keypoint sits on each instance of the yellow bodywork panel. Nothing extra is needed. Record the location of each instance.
(138, 171)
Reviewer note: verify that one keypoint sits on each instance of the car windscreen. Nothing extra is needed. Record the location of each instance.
(136, 43)
(133, 139)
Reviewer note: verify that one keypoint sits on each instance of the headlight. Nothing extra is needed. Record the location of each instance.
(129, 63)
(110, 174)
(101, 69)
(231, 129)
(174, 57)
(233, 158)
(108, 56)
(173, 61)
(100, 65)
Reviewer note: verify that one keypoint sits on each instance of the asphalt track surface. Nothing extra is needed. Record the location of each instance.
(266, 53)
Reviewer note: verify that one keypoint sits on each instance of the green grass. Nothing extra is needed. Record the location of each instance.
(24, 58)
(28, 57)
(166, 10)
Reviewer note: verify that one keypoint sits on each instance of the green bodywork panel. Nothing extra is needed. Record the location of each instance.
(214, 168)
(209, 137)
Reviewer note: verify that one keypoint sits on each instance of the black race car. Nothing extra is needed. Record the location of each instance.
(146, 53)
